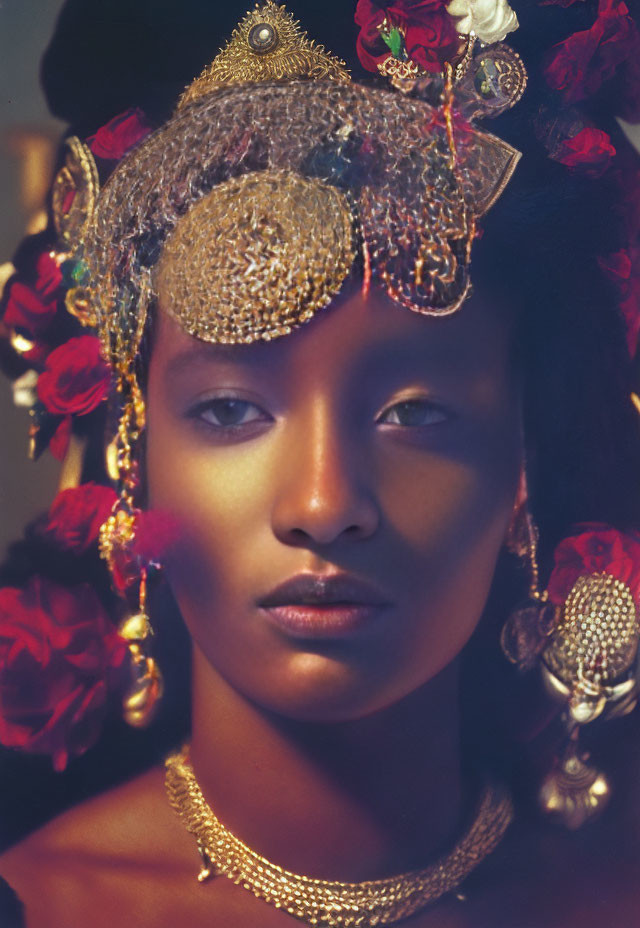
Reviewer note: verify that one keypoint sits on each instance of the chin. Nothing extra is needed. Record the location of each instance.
(326, 688)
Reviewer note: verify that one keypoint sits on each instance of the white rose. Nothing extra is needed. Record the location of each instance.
(490, 20)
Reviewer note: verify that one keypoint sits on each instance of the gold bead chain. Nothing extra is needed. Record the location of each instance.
(324, 902)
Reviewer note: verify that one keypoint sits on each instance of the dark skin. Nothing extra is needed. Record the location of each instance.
(350, 744)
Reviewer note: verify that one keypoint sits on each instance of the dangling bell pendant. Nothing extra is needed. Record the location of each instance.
(141, 701)
(574, 792)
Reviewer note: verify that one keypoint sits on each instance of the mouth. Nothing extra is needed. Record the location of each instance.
(323, 606)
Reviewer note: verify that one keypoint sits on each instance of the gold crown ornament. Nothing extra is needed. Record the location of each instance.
(268, 45)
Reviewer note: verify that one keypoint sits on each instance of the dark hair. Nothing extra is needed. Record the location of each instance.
(539, 251)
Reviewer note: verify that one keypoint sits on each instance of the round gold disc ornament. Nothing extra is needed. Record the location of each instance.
(256, 257)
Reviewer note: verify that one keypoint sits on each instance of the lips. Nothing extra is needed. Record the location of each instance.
(323, 605)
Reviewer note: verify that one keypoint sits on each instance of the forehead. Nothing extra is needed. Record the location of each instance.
(355, 331)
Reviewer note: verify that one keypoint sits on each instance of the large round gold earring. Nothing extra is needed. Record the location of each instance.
(586, 647)
(588, 667)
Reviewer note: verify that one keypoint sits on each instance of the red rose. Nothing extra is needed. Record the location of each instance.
(432, 41)
(49, 275)
(75, 379)
(431, 36)
(598, 549)
(77, 514)
(32, 308)
(58, 656)
(119, 135)
(590, 151)
(26, 310)
(584, 61)
(370, 47)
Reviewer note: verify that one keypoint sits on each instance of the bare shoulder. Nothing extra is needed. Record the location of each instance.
(107, 854)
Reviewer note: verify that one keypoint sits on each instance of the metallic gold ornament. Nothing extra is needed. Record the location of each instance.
(79, 303)
(412, 186)
(574, 793)
(268, 45)
(324, 902)
(494, 80)
(588, 666)
(594, 648)
(75, 192)
(259, 255)
(527, 629)
(143, 697)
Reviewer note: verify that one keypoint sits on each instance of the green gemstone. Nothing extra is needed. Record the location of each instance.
(487, 79)
(75, 273)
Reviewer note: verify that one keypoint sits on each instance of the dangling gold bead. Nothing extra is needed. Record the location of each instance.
(142, 700)
(135, 627)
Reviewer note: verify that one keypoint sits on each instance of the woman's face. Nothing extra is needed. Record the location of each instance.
(372, 443)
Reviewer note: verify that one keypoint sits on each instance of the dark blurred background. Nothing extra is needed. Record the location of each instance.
(28, 140)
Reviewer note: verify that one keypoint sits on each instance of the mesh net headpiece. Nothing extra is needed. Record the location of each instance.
(370, 172)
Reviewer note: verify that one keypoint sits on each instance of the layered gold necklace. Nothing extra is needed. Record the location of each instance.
(327, 902)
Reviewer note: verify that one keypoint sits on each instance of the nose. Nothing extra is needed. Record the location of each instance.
(325, 490)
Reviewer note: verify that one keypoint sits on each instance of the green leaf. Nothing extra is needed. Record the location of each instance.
(394, 40)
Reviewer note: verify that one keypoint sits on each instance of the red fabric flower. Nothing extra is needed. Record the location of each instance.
(590, 151)
(119, 135)
(431, 36)
(156, 531)
(58, 656)
(76, 516)
(75, 379)
(597, 549)
(584, 61)
(32, 308)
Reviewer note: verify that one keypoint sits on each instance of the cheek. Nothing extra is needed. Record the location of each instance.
(447, 516)
(220, 501)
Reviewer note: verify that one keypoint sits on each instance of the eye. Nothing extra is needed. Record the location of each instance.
(414, 414)
(228, 412)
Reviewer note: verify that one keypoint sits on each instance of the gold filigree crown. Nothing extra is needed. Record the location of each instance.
(268, 45)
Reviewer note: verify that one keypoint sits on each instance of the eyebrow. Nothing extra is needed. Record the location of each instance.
(210, 353)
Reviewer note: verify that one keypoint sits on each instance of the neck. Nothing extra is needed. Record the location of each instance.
(348, 801)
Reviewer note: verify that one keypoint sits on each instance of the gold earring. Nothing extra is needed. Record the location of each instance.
(141, 701)
(588, 667)
(584, 630)
(528, 627)
(128, 567)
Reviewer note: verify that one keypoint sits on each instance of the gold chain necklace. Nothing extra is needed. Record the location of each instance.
(325, 902)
